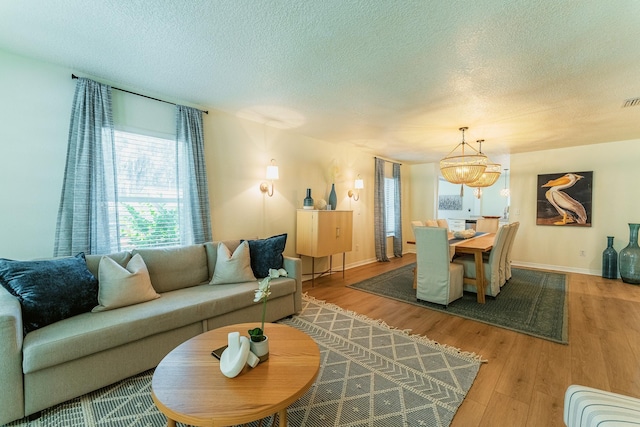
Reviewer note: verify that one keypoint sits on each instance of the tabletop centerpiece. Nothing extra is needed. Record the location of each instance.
(259, 342)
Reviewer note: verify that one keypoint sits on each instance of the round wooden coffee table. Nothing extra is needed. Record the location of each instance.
(188, 387)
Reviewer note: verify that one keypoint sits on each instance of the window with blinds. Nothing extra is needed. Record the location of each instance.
(390, 205)
(147, 191)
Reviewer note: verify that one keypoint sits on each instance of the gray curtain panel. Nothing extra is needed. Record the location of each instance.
(87, 203)
(379, 217)
(195, 218)
(397, 237)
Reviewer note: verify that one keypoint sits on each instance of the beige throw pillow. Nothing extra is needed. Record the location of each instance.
(119, 286)
(234, 268)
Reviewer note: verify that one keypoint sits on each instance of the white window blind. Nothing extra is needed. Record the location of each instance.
(389, 206)
(147, 191)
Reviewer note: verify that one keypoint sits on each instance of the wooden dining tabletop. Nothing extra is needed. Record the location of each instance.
(476, 246)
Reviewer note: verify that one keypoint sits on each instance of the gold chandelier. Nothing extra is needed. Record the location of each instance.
(463, 168)
(489, 176)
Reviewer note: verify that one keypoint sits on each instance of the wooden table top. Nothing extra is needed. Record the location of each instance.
(484, 242)
(188, 386)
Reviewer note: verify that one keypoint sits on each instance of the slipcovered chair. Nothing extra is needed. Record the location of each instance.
(491, 266)
(438, 279)
(443, 223)
(509, 247)
(417, 224)
(487, 225)
(431, 223)
(503, 258)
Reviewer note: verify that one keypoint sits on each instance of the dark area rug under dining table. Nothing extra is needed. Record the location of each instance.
(532, 302)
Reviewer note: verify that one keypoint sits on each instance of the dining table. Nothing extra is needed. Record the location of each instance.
(476, 246)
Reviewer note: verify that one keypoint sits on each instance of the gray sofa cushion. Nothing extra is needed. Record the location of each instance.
(90, 333)
(176, 267)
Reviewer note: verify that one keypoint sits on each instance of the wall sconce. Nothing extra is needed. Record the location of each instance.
(358, 185)
(272, 175)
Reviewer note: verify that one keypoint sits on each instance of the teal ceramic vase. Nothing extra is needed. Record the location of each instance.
(630, 258)
(333, 199)
(308, 201)
(610, 261)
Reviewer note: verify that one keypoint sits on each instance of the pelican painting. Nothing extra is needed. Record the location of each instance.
(565, 208)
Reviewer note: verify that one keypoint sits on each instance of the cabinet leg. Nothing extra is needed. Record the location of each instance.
(330, 264)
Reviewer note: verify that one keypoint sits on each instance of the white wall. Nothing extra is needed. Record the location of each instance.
(35, 112)
(616, 174)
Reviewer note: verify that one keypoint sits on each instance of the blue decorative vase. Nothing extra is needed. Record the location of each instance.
(308, 201)
(333, 199)
(630, 258)
(610, 261)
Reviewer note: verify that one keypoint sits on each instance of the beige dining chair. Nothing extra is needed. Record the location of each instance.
(417, 224)
(491, 266)
(438, 280)
(443, 223)
(487, 225)
(431, 223)
(503, 257)
(507, 265)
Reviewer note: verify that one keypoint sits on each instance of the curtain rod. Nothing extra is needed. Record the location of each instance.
(73, 76)
(387, 160)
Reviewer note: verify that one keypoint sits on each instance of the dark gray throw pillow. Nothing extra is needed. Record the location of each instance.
(50, 290)
(266, 254)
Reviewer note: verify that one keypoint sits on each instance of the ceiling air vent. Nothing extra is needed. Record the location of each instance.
(631, 102)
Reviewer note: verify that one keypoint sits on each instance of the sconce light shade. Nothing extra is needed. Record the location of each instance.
(272, 175)
(272, 172)
(358, 184)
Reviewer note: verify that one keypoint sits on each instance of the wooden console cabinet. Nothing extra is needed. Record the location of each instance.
(324, 233)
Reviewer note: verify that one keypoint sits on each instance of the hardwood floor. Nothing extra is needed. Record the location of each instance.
(524, 381)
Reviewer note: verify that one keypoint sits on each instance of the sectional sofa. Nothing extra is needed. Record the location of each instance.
(45, 364)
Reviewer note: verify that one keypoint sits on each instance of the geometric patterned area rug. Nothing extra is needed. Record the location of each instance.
(374, 375)
(532, 302)
(370, 375)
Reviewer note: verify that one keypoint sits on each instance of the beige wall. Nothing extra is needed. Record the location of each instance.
(33, 142)
(616, 174)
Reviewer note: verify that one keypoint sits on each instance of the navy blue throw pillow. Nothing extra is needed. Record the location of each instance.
(266, 254)
(50, 290)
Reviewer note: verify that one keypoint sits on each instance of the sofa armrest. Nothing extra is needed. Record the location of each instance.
(11, 392)
(294, 270)
(588, 407)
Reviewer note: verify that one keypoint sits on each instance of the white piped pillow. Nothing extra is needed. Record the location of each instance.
(234, 268)
(120, 286)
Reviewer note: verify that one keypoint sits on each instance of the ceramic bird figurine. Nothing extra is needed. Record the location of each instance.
(570, 209)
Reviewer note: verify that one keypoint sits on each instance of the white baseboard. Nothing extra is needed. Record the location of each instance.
(561, 268)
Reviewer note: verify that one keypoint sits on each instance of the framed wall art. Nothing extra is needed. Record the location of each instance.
(564, 199)
(450, 203)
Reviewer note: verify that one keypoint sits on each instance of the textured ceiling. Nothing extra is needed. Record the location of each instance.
(396, 77)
